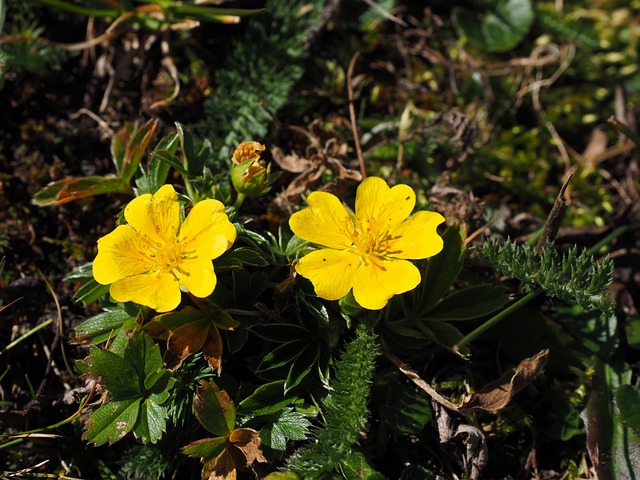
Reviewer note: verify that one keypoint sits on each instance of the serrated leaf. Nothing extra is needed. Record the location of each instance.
(354, 466)
(214, 409)
(468, 303)
(99, 328)
(151, 422)
(143, 354)
(294, 425)
(111, 422)
(117, 375)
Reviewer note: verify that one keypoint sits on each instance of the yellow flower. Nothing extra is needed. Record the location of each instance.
(152, 258)
(368, 251)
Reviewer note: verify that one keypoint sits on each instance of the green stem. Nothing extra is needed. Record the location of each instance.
(530, 296)
(89, 12)
(239, 199)
(496, 318)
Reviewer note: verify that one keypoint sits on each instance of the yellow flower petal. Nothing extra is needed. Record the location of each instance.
(120, 254)
(330, 271)
(417, 237)
(207, 231)
(376, 282)
(159, 291)
(326, 222)
(157, 216)
(374, 199)
(198, 277)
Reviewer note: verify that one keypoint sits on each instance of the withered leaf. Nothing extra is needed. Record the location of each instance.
(247, 441)
(496, 395)
(185, 341)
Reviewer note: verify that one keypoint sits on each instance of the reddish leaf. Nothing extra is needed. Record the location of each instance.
(247, 441)
(212, 349)
(70, 189)
(185, 341)
(128, 147)
(496, 395)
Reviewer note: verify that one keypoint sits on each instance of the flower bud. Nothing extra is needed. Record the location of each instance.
(250, 174)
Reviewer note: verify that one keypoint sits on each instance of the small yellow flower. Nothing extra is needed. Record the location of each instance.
(149, 260)
(368, 251)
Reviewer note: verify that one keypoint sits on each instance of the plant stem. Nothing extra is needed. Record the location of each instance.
(530, 296)
(239, 199)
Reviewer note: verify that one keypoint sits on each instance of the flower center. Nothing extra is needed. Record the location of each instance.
(165, 255)
(371, 239)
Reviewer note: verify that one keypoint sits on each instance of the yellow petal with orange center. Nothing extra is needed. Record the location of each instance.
(379, 280)
(159, 291)
(388, 206)
(416, 237)
(120, 254)
(330, 271)
(326, 222)
(207, 231)
(157, 216)
(198, 277)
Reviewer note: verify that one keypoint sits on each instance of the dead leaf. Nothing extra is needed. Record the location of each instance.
(185, 341)
(247, 441)
(324, 150)
(497, 395)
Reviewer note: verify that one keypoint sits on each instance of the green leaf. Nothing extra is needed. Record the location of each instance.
(143, 355)
(501, 29)
(91, 291)
(117, 375)
(206, 449)
(128, 147)
(288, 425)
(294, 425)
(445, 335)
(214, 409)
(151, 422)
(597, 331)
(504, 28)
(70, 189)
(417, 472)
(628, 403)
(632, 330)
(468, 303)
(614, 449)
(240, 258)
(266, 399)
(407, 410)
(282, 476)
(443, 269)
(354, 466)
(111, 422)
(100, 328)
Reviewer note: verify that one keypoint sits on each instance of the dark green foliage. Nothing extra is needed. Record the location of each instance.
(28, 53)
(258, 75)
(345, 409)
(578, 31)
(574, 277)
